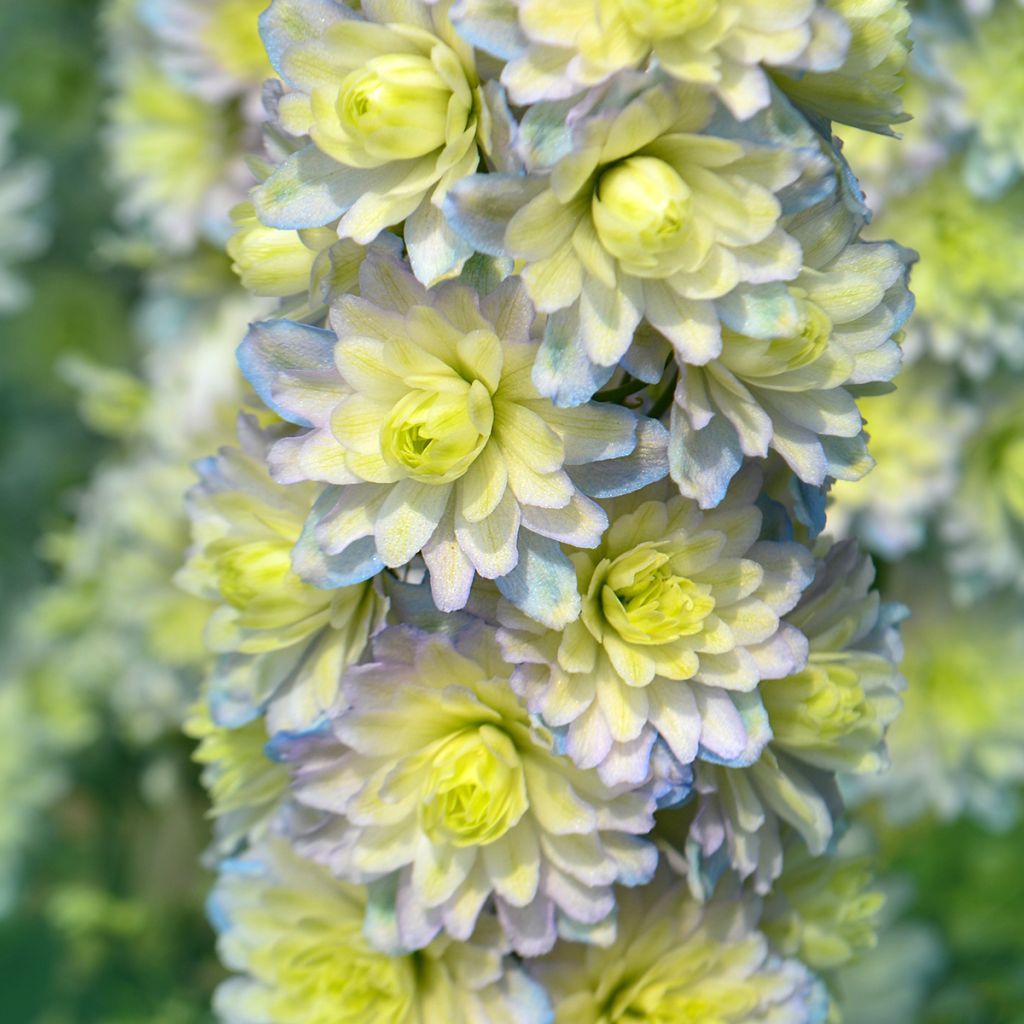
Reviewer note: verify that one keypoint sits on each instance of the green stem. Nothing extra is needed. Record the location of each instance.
(664, 400)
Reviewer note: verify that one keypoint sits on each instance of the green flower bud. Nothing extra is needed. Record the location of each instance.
(646, 603)
(642, 213)
(806, 344)
(435, 436)
(666, 19)
(476, 789)
(824, 714)
(257, 579)
(396, 107)
(272, 261)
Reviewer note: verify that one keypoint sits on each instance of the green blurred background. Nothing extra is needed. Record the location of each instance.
(108, 928)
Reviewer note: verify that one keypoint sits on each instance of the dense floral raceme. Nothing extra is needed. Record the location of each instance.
(528, 683)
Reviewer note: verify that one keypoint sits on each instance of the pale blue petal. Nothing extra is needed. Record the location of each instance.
(291, 367)
(543, 583)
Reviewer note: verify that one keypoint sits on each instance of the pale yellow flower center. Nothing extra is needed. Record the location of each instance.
(396, 106)
(435, 436)
(258, 569)
(806, 344)
(645, 602)
(821, 704)
(331, 980)
(475, 790)
(666, 19)
(641, 209)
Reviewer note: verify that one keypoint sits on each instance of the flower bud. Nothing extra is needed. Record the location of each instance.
(642, 211)
(396, 107)
(646, 603)
(476, 790)
(270, 261)
(250, 572)
(434, 437)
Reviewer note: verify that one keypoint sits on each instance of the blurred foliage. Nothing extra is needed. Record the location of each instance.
(968, 883)
(50, 70)
(109, 929)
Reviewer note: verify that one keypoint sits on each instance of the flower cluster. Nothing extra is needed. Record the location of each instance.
(945, 497)
(529, 686)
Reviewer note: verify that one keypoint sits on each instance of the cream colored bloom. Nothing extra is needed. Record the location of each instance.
(439, 788)
(281, 640)
(419, 408)
(295, 937)
(723, 45)
(677, 961)
(680, 623)
(391, 103)
(645, 213)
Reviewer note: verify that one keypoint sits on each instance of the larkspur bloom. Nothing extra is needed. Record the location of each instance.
(722, 45)
(212, 48)
(792, 357)
(825, 911)
(969, 307)
(293, 936)
(681, 621)
(675, 960)
(956, 748)
(282, 641)
(22, 234)
(987, 64)
(438, 787)
(420, 411)
(829, 717)
(984, 525)
(392, 105)
(865, 89)
(916, 441)
(643, 214)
